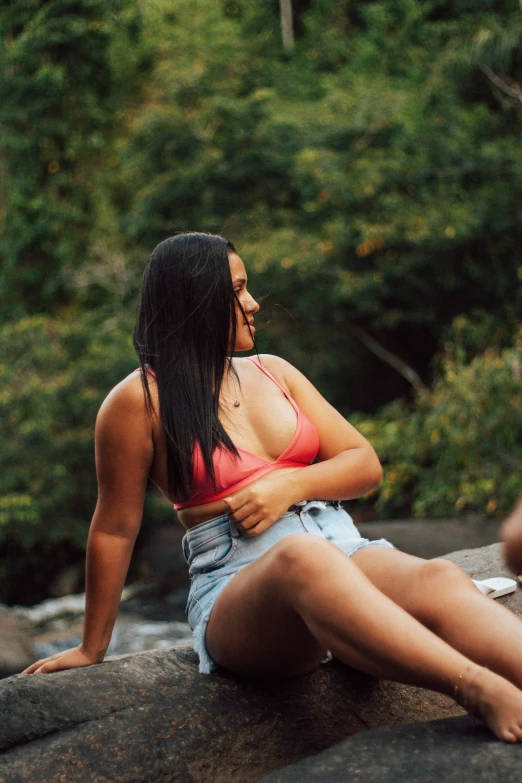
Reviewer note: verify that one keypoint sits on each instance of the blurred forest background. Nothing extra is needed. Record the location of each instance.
(370, 176)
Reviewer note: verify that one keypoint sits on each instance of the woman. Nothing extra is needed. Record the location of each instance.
(256, 462)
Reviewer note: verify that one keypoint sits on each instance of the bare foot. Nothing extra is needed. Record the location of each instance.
(497, 702)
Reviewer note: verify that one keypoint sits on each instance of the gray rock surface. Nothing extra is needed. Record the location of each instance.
(153, 717)
(454, 750)
(483, 563)
(16, 649)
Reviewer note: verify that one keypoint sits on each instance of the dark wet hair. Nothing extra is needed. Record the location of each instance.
(186, 316)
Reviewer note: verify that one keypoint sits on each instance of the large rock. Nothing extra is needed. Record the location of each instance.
(454, 750)
(16, 648)
(153, 717)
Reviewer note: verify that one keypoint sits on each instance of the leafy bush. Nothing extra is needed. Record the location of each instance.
(459, 449)
(53, 377)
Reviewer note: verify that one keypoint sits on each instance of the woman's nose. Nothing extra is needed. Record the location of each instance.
(250, 304)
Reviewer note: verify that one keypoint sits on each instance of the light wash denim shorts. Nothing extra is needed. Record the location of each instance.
(216, 551)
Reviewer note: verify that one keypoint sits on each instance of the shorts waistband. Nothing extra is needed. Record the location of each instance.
(194, 534)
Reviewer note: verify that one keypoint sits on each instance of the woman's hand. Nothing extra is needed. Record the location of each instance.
(68, 659)
(257, 506)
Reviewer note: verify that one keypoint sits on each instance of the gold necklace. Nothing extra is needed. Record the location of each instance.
(236, 402)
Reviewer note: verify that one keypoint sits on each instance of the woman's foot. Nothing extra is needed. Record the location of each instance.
(497, 702)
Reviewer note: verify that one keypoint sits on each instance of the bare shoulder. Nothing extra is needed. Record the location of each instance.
(126, 400)
(124, 456)
(288, 376)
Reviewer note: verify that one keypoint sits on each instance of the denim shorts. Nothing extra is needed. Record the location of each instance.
(216, 551)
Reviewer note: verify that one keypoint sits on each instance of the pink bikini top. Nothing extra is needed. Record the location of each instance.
(232, 474)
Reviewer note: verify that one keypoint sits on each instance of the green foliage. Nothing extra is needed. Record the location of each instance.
(53, 377)
(459, 449)
(59, 98)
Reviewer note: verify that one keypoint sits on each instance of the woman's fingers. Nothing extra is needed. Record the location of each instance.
(68, 659)
(239, 509)
(251, 525)
(50, 666)
(252, 511)
(258, 528)
(31, 669)
(235, 505)
(246, 517)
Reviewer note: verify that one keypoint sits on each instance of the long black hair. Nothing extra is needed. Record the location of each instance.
(185, 324)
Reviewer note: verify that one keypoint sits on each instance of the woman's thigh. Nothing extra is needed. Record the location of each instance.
(254, 630)
(421, 587)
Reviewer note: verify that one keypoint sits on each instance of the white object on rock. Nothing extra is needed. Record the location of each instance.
(496, 586)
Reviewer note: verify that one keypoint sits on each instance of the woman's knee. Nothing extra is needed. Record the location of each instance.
(439, 583)
(301, 559)
(438, 574)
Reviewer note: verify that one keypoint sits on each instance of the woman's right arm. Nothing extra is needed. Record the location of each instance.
(124, 454)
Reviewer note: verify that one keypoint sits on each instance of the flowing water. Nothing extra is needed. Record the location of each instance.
(146, 621)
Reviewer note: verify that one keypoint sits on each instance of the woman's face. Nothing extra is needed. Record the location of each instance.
(244, 341)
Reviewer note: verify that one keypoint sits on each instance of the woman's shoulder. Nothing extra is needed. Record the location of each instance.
(128, 396)
(124, 433)
(284, 372)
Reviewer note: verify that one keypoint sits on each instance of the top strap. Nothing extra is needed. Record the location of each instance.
(148, 370)
(263, 369)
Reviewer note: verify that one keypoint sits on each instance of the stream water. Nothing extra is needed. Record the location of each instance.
(146, 621)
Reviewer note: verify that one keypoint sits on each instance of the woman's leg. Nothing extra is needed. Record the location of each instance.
(279, 614)
(442, 597)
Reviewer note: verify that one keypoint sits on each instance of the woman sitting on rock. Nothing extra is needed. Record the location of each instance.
(256, 462)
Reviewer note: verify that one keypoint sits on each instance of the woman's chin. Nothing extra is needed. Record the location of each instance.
(243, 345)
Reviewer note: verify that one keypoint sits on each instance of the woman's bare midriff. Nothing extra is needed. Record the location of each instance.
(195, 515)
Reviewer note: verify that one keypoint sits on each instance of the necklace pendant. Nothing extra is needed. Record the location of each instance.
(237, 404)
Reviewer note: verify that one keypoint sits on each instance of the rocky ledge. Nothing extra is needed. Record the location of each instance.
(153, 717)
(451, 750)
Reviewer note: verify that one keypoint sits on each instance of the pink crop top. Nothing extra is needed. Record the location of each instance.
(233, 474)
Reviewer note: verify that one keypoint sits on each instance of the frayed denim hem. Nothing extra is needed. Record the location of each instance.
(377, 542)
(206, 664)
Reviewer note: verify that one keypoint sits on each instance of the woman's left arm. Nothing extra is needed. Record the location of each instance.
(347, 466)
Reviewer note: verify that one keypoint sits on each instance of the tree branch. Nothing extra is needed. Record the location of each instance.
(513, 92)
(287, 25)
(390, 358)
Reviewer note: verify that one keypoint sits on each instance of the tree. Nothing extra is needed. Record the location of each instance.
(60, 96)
